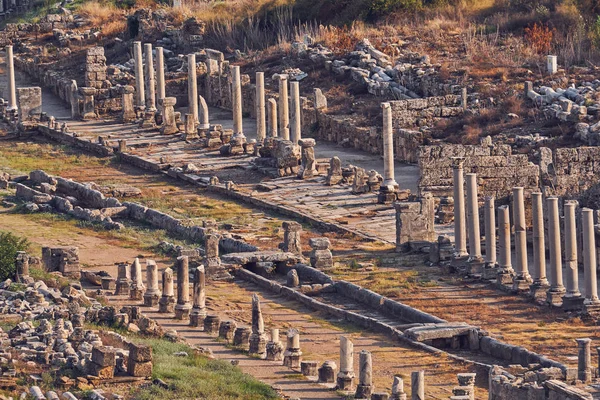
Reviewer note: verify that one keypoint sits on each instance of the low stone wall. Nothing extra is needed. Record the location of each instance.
(572, 170)
(425, 111)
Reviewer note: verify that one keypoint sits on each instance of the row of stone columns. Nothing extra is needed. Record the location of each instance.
(569, 298)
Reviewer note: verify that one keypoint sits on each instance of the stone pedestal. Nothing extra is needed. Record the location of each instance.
(128, 109)
(169, 126)
(327, 372)
(123, 280)
(241, 337)
(309, 164)
(227, 331)
(89, 108)
(292, 355)
(211, 324)
(308, 368)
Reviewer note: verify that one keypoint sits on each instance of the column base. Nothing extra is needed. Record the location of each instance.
(292, 358)
(554, 296)
(505, 276)
(475, 266)
(258, 344)
(538, 290)
(122, 287)
(363, 391)
(572, 303)
(521, 284)
(89, 116)
(136, 294)
(591, 308)
(345, 381)
(169, 130)
(490, 271)
(166, 304)
(148, 120)
(151, 300)
(274, 351)
(182, 311)
(197, 317)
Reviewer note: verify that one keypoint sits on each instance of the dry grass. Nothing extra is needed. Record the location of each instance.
(104, 15)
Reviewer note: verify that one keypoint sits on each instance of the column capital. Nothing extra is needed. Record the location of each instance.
(458, 162)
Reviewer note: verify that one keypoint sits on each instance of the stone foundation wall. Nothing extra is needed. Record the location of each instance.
(425, 111)
(572, 170)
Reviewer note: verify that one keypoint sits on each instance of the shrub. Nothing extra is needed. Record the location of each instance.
(10, 244)
(539, 36)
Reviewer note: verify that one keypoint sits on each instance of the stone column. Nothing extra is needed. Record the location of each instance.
(167, 300)
(139, 75)
(293, 356)
(274, 347)
(591, 302)
(169, 125)
(236, 102)
(137, 285)
(150, 80)
(183, 306)
(74, 100)
(504, 254)
(192, 86)
(466, 386)
(473, 219)
(388, 147)
(460, 234)
(345, 377)
(199, 298)
(572, 300)
(522, 278)
(490, 234)
(258, 338)
(22, 265)
(584, 360)
(12, 86)
(398, 389)
(284, 113)
(123, 279)
(365, 387)
(539, 243)
(296, 122)
(291, 237)
(417, 381)
(203, 110)
(128, 109)
(556, 291)
(160, 74)
(152, 294)
(261, 123)
(89, 106)
(272, 114)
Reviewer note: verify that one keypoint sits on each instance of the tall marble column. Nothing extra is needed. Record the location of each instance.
(460, 229)
(236, 100)
(296, 120)
(365, 386)
(272, 113)
(557, 289)
(572, 300)
(540, 282)
(160, 73)
(506, 271)
(389, 178)
(150, 81)
(203, 114)
(140, 98)
(522, 279)
(345, 378)
(167, 300)
(584, 360)
(417, 380)
(490, 232)
(591, 302)
(192, 86)
(183, 306)
(284, 111)
(261, 122)
(12, 86)
(473, 219)
(199, 298)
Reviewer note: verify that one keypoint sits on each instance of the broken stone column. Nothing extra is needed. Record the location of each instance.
(150, 80)
(557, 289)
(473, 218)
(74, 100)
(540, 282)
(296, 117)
(12, 86)
(522, 278)
(274, 348)
(460, 232)
(584, 360)
(198, 312)
(160, 74)
(417, 383)
(152, 294)
(398, 389)
(236, 103)
(320, 100)
(309, 164)
(284, 112)
(261, 123)
(365, 387)
(334, 173)
(169, 125)
(190, 127)
(136, 292)
(123, 279)
(466, 386)
(320, 256)
(203, 117)
(192, 86)
(591, 303)
(292, 356)
(345, 378)
(128, 109)
(166, 303)
(89, 106)
(389, 188)
(490, 269)
(291, 237)
(258, 338)
(212, 261)
(552, 65)
(272, 114)
(139, 76)
(572, 300)
(506, 271)
(22, 266)
(183, 306)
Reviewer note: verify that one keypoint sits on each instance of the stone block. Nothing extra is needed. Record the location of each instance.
(140, 353)
(139, 369)
(103, 356)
